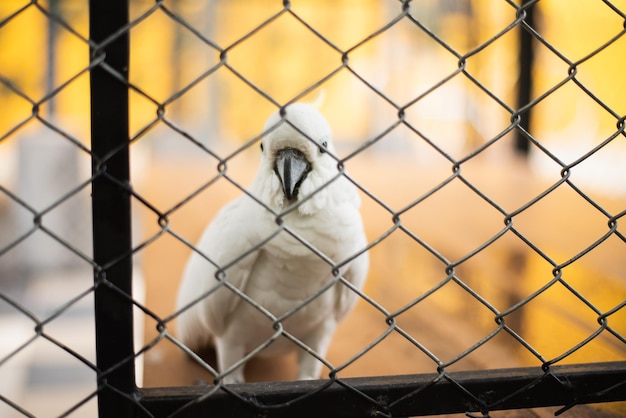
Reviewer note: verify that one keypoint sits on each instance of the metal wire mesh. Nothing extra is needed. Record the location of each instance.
(158, 113)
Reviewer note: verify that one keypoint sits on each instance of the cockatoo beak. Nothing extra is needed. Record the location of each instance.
(292, 168)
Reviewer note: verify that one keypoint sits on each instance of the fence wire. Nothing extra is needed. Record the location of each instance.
(50, 240)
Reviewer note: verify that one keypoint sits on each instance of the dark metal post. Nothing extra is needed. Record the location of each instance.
(111, 210)
(525, 84)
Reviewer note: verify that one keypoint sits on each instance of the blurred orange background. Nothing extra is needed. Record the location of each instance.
(285, 60)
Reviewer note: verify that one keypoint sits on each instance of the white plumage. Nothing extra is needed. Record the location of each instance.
(294, 169)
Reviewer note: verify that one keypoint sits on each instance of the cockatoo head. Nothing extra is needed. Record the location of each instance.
(296, 160)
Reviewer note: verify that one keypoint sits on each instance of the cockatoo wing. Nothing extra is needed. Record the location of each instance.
(229, 236)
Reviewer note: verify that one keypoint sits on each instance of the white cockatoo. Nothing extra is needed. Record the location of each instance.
(255, 250)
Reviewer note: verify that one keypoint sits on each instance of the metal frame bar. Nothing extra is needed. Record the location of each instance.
(398, 396)
(111, 207)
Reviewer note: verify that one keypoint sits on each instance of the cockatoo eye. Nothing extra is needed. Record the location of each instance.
(261, 146)
(323, 147)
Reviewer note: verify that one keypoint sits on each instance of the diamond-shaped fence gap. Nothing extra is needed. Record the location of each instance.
(76, 231)
(63, 301)
(198, 16)
(166, 364)
(71, 15)
(71, 48)
(431, 165)
(400, 259)
(401, 355)
(201, 59)
(451, 23)
(496, 68)
(599, 170)
(551, 69)
(168, 167)
(596, 263)
(15, 364)
(75, 14)
(57, 383)
(452, 117)
(583, 276)
(372, 115)
(365, 18)
(452, 232)
(582, 125)
(66, 166)
(600, 344)
(466, 25)
(13, 231)
(604, 82)
(18, 111)
(553, 224)
(61, 148)
(453, 305)
(232, 22)
(586, 28)
(234, 120)
(66, 113)
(153, 42)
(57, 254)
(195, 109)
(28, 75)
(278, 58)
(52, 178)
(556, 320)
(240, 157)
(408, 62)
(503, 177)
(187, 210)
(528, 272)
(498, 273)
(18, 321)
(410, 180)
(140, 9)
(408, 264)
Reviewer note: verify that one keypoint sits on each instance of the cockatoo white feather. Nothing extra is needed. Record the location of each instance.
(296, 169)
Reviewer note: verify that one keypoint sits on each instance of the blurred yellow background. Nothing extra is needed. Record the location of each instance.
(285, 61)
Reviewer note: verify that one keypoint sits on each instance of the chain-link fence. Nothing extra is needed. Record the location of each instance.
(486, 142)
